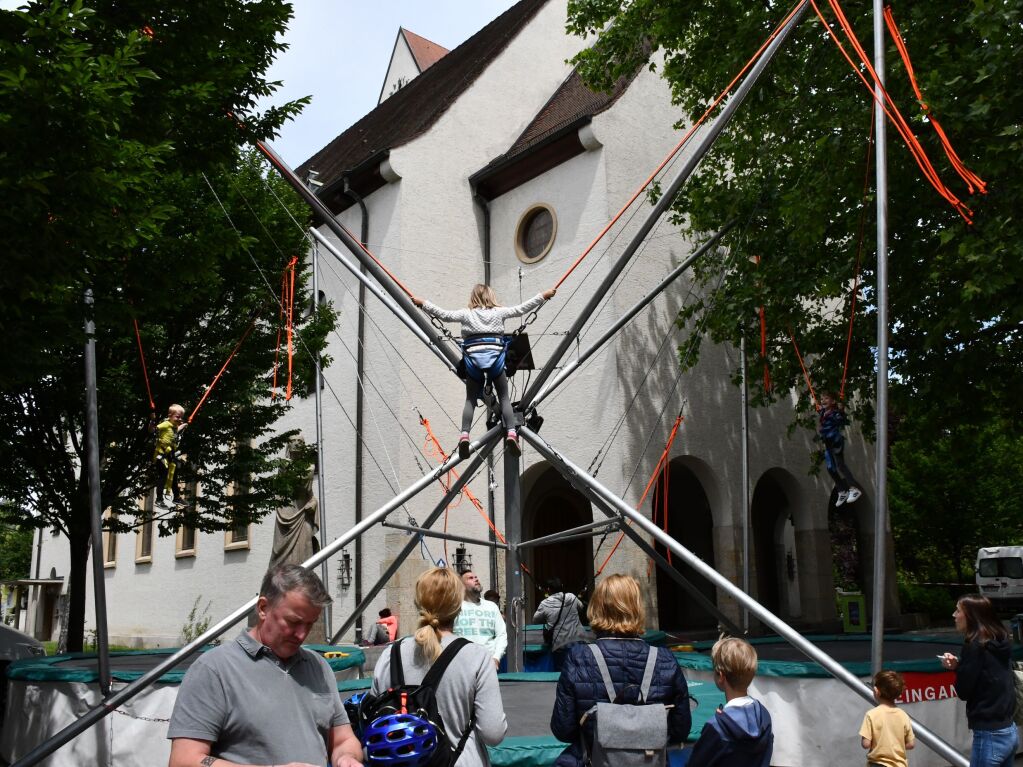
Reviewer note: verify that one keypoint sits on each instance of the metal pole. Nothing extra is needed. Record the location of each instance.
(387, 282)
(443, 536)
(576, 475)
(881, 498)
(321, 497)
(111, 703)
(645, 546)
(485, 451)
(591, 528)
(514, 604)
(745, 516)
(385, 299)
(491, 534)
(663, 204)
(95, 498)
(627, 317)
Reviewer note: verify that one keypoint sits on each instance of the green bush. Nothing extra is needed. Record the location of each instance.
(936, 601)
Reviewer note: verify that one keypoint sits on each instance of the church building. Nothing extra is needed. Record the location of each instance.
(493, 163)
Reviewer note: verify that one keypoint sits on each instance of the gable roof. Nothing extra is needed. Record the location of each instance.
(412, 110)
(551, 138)
(424, 52)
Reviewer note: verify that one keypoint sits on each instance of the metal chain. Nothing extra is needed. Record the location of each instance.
(140, 717)
(443, 328)
(530, 319)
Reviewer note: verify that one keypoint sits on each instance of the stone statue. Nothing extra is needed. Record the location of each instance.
(295, 533)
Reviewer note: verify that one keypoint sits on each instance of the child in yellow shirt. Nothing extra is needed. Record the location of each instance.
(165, 455)
(887, 732)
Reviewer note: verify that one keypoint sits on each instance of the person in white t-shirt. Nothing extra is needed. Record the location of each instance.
(480, 620)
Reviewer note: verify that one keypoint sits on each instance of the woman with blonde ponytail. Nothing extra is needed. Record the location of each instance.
(468, 689)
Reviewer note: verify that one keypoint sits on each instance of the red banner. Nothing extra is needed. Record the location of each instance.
(923, 687)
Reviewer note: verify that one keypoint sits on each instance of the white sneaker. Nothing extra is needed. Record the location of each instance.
(854, 495)
(842, 496)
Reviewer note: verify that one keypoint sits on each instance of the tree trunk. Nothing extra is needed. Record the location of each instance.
(78, 543)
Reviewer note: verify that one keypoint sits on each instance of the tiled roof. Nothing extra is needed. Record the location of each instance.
(550, 139)
(417, 106)
(425, 52)
(570, 102)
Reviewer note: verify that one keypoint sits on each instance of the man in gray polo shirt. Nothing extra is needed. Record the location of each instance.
(263, 698)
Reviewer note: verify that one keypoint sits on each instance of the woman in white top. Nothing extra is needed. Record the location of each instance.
(483, 352)
(468, 695)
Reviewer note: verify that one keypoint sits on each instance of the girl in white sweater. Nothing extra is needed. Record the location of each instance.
(483, 351)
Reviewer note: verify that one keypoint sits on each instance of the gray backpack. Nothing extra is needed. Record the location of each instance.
(627, 735)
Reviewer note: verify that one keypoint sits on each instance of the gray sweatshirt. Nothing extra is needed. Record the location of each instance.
(470, 682)
(482, 322)
(567, 626)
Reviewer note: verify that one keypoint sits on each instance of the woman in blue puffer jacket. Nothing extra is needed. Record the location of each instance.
(618, 619)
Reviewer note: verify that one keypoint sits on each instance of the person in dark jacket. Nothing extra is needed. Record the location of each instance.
(618, 618)
(740, 733)
(984, 680)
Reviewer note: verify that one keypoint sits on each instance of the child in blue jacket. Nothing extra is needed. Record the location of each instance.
(739, 734)
(831, 420)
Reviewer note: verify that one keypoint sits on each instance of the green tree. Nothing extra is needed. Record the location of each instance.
(96, 103)
(953, 494)
(791, 168)
(15, 552)
(122, 173)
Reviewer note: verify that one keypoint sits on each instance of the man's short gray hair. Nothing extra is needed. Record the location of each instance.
(283, 579)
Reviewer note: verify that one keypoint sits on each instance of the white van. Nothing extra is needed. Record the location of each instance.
(1000, 576)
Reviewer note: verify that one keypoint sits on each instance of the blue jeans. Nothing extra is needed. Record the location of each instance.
(994, 748)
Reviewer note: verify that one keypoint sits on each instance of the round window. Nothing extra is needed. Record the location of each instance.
(535, 233)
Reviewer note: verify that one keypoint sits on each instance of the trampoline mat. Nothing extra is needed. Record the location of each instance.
(126, 666)
(856, 650)
(125, 662)
(529, 700)
(528, 706)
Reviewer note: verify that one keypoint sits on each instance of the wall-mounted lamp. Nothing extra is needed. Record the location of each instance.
(790, 565)
(463, 560)
(344, 570)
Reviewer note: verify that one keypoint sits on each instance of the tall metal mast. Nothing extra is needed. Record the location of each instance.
(881, 498)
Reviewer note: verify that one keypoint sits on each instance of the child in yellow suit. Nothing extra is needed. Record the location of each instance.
(168, 435)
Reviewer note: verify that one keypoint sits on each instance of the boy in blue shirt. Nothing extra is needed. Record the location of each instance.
(831, 420)
(739, 734)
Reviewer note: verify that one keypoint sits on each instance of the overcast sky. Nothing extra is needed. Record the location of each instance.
(339, 54)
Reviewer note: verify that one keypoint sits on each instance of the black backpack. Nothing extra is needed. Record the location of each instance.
(419, 699)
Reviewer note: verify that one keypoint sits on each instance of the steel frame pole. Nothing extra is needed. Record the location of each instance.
(385, 299)
(590, 528)
(746, 511)
(881, 425)
(111, 703)
(513, 589)
(663, 204)
(576, 475)
(444, 536)
(677, 272)
(485, 452)
(321, 499)
(361, 253)
(95, 498)
(644, 545)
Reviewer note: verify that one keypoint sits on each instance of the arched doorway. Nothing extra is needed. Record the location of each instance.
(691, 523)
(552, 506)
(775, 565)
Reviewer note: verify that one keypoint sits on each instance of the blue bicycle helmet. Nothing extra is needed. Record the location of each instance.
(400, 740)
